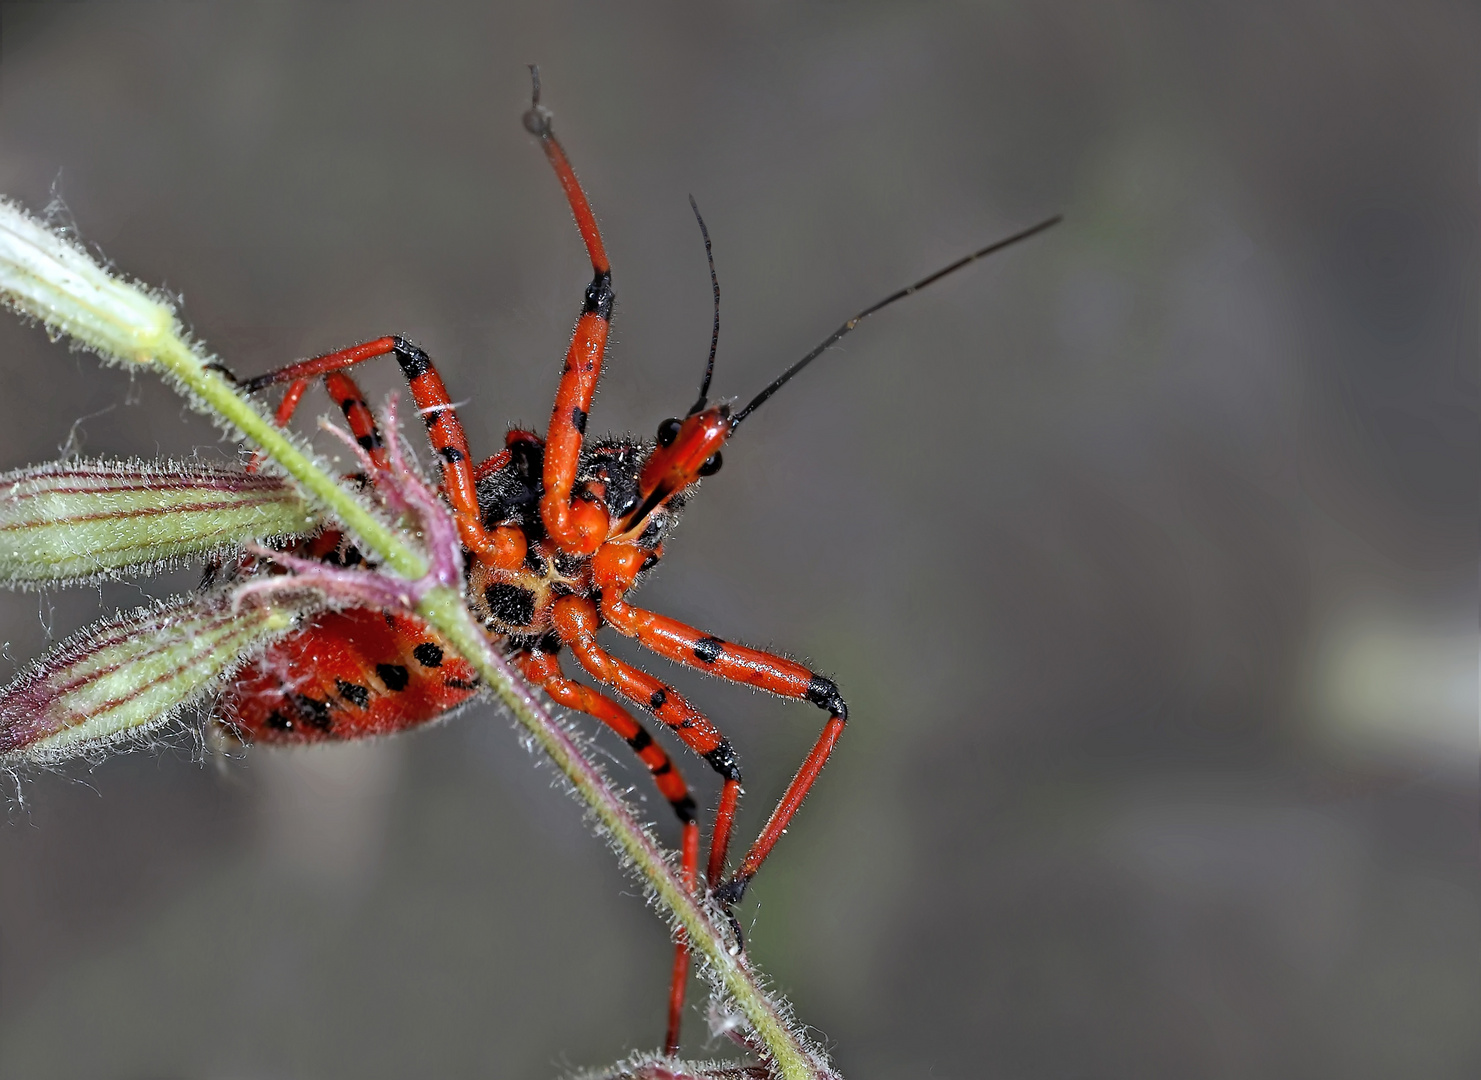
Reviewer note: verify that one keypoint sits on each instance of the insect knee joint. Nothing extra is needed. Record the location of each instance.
(414, 361)
(824, 694)
(723, 760)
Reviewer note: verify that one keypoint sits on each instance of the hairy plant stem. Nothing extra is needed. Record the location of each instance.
(443, 608)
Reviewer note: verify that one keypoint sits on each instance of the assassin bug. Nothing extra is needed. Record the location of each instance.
(557, 531)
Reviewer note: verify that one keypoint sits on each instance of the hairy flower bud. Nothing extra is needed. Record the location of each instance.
(51, 279)
(77, 521)
(126, 677)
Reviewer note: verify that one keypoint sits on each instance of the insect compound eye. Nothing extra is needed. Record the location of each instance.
(711, 466)
(668, 431)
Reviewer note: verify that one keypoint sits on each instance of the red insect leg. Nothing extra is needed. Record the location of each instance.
(488, 466)
(544, 670)
(615, 569)
(579, 526)
(344, 393)
(348, 674)
(737, 663)
(576, 621)
(503, 547)
(286, 408)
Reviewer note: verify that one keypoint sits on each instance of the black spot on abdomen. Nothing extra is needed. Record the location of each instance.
(313, 712)
(354, 693)
(428, 655)
(393, 675)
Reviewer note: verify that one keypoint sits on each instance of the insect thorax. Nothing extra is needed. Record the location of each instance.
(517, 603)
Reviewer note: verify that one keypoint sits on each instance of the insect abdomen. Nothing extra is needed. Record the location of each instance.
(348, 674)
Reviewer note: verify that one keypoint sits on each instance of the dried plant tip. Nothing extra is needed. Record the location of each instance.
(51, 279)
(123, 678)
(81, 521)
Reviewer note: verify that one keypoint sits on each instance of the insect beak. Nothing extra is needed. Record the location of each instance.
(691, 453)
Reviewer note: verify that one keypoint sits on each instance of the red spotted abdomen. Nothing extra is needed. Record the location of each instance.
(346, 675)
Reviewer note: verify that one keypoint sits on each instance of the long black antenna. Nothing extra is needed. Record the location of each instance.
(832, 339)
(704, 387)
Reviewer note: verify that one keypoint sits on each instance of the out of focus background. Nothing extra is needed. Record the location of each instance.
(1145, 553)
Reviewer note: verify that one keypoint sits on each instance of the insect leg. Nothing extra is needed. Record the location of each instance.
(344, 393)
(577, 525)
(575, 620)
(502, 547)
(488, 466)
(544, 670)
(738, 663)
(286, 408)
(351, 402)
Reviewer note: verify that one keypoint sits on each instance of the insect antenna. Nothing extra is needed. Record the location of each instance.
(535, 85)
(832, 339)
(704, 386)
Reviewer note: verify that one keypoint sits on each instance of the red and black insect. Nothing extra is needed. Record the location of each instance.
(557, 531)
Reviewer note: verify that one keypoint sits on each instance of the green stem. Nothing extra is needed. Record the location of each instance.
(445, 611)
(221, 396)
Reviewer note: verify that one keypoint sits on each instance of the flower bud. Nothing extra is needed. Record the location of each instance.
(126, 677)
(77, 521)
(55, 281)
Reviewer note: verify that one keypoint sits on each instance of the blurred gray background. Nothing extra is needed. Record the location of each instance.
(1145, 553)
